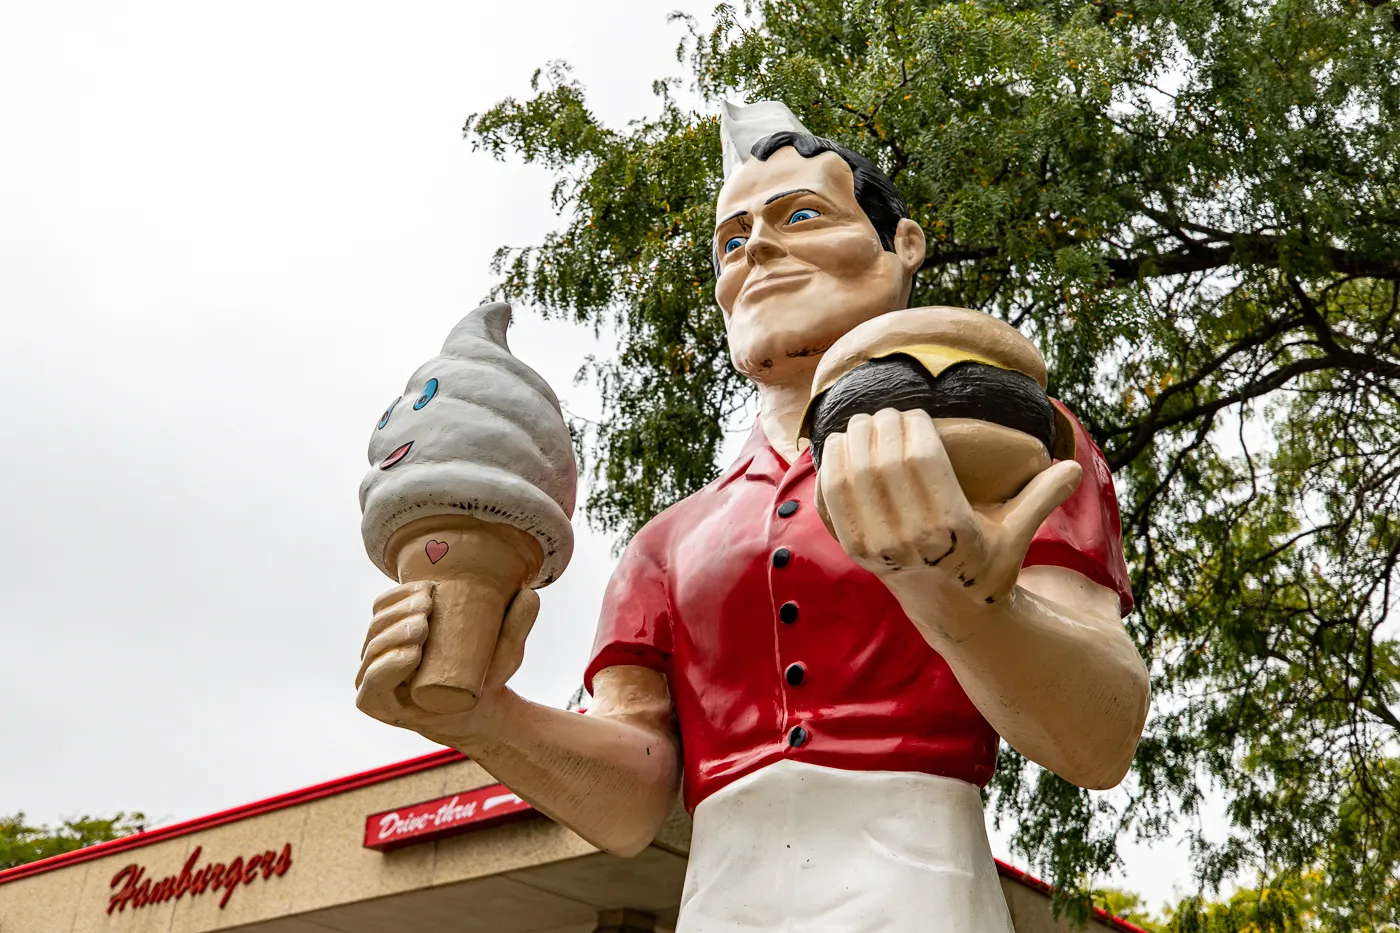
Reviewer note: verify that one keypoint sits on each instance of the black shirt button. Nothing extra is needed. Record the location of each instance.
(797, 737)
(781, 556)
(787, 508)
(788, 612)
(795, 674)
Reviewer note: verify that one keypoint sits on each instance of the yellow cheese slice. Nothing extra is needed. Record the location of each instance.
(937, 358)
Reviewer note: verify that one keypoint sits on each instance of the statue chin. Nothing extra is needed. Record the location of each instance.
(767, 353)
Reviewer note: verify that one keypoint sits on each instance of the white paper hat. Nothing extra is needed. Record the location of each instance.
(741, 126)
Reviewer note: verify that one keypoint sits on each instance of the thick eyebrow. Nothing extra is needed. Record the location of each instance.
(782, 194)
(777, 197)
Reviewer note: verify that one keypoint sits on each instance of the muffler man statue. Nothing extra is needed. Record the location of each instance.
(915, 556)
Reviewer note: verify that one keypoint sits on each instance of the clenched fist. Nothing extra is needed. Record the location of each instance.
(394, 647)
(897, 508)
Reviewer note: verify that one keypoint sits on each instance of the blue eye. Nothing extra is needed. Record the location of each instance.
(429, 391)
(387, 412)
(734, 243)
(805, 214)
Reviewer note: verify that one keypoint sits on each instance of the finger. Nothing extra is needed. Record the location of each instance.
(515, 628)
(890, 499)
(819, 500)
(860, 440)
(378, 695)
(938, 481)
(1042, 495)
(410, 631)
(419, 604)
(838, 494)
(820, 496)
(887, 436)
(937, 493)
(402, 591)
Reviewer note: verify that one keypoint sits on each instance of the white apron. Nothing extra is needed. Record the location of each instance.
(798, 848)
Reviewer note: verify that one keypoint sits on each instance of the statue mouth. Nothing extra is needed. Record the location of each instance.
(398, 454)
(778, 280)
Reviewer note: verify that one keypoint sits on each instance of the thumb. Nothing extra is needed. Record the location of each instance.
(1042, 495)
(515, 628)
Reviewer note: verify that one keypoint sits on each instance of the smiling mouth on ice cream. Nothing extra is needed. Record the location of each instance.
(398, 454)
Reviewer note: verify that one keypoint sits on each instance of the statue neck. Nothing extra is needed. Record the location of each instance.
(780, 407)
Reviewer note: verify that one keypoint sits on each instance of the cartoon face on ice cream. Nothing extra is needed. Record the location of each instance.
(476, 433)
(471, 485)
(398, 453)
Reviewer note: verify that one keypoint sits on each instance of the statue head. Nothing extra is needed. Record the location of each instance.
(811, 240)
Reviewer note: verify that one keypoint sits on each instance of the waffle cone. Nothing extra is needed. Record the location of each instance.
(477, 568)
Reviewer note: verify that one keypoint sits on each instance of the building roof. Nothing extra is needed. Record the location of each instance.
(363, 779)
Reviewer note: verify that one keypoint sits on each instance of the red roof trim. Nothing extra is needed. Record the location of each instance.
(378, 775)
(258, 807)
(1015, 874)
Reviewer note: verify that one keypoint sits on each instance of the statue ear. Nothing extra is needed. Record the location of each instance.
(909, 246)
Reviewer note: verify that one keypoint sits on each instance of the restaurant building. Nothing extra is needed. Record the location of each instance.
(428, 845)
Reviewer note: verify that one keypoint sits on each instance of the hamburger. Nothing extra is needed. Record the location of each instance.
(980, 380)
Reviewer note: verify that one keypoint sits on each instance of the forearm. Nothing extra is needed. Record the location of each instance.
(609, 779)
(1062, 684)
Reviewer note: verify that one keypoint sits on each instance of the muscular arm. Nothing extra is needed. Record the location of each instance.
(610, 775)
(1040, 651)
(1051, 668)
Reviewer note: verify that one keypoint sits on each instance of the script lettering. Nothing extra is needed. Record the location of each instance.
(135, 889)
(466, 810)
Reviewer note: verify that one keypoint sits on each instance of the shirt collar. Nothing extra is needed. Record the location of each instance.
(758, 460)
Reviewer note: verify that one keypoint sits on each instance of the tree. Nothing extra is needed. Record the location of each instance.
(1280, 905)
(1194, 208)
(21, 843)
(1125, 905)
(1286, 907)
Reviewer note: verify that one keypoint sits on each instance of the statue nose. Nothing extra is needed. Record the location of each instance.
(762, 246)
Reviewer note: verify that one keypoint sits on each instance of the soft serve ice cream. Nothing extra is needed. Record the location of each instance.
(479, 433)
(471, 486)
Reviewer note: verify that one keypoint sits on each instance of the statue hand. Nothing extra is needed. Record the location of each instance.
(394, 647)
(898, 510)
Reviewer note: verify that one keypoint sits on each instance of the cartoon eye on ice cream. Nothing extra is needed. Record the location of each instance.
(388, 412)
(470, 486)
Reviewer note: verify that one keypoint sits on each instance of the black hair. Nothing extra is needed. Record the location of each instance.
(875, 193)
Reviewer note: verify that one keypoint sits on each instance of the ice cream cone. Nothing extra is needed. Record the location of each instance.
(471, 485)
(477, 568)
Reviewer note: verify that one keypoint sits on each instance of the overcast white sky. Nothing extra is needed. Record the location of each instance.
(228, 234)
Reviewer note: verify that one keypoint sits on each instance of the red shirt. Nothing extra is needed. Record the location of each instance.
(776, 645)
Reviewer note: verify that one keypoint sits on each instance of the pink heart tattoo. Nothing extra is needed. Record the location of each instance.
(436, 550)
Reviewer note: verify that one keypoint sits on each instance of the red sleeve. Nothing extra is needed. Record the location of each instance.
(1084, 533)
(635, 626)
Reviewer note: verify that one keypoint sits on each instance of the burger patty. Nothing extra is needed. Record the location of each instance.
(963, 390)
